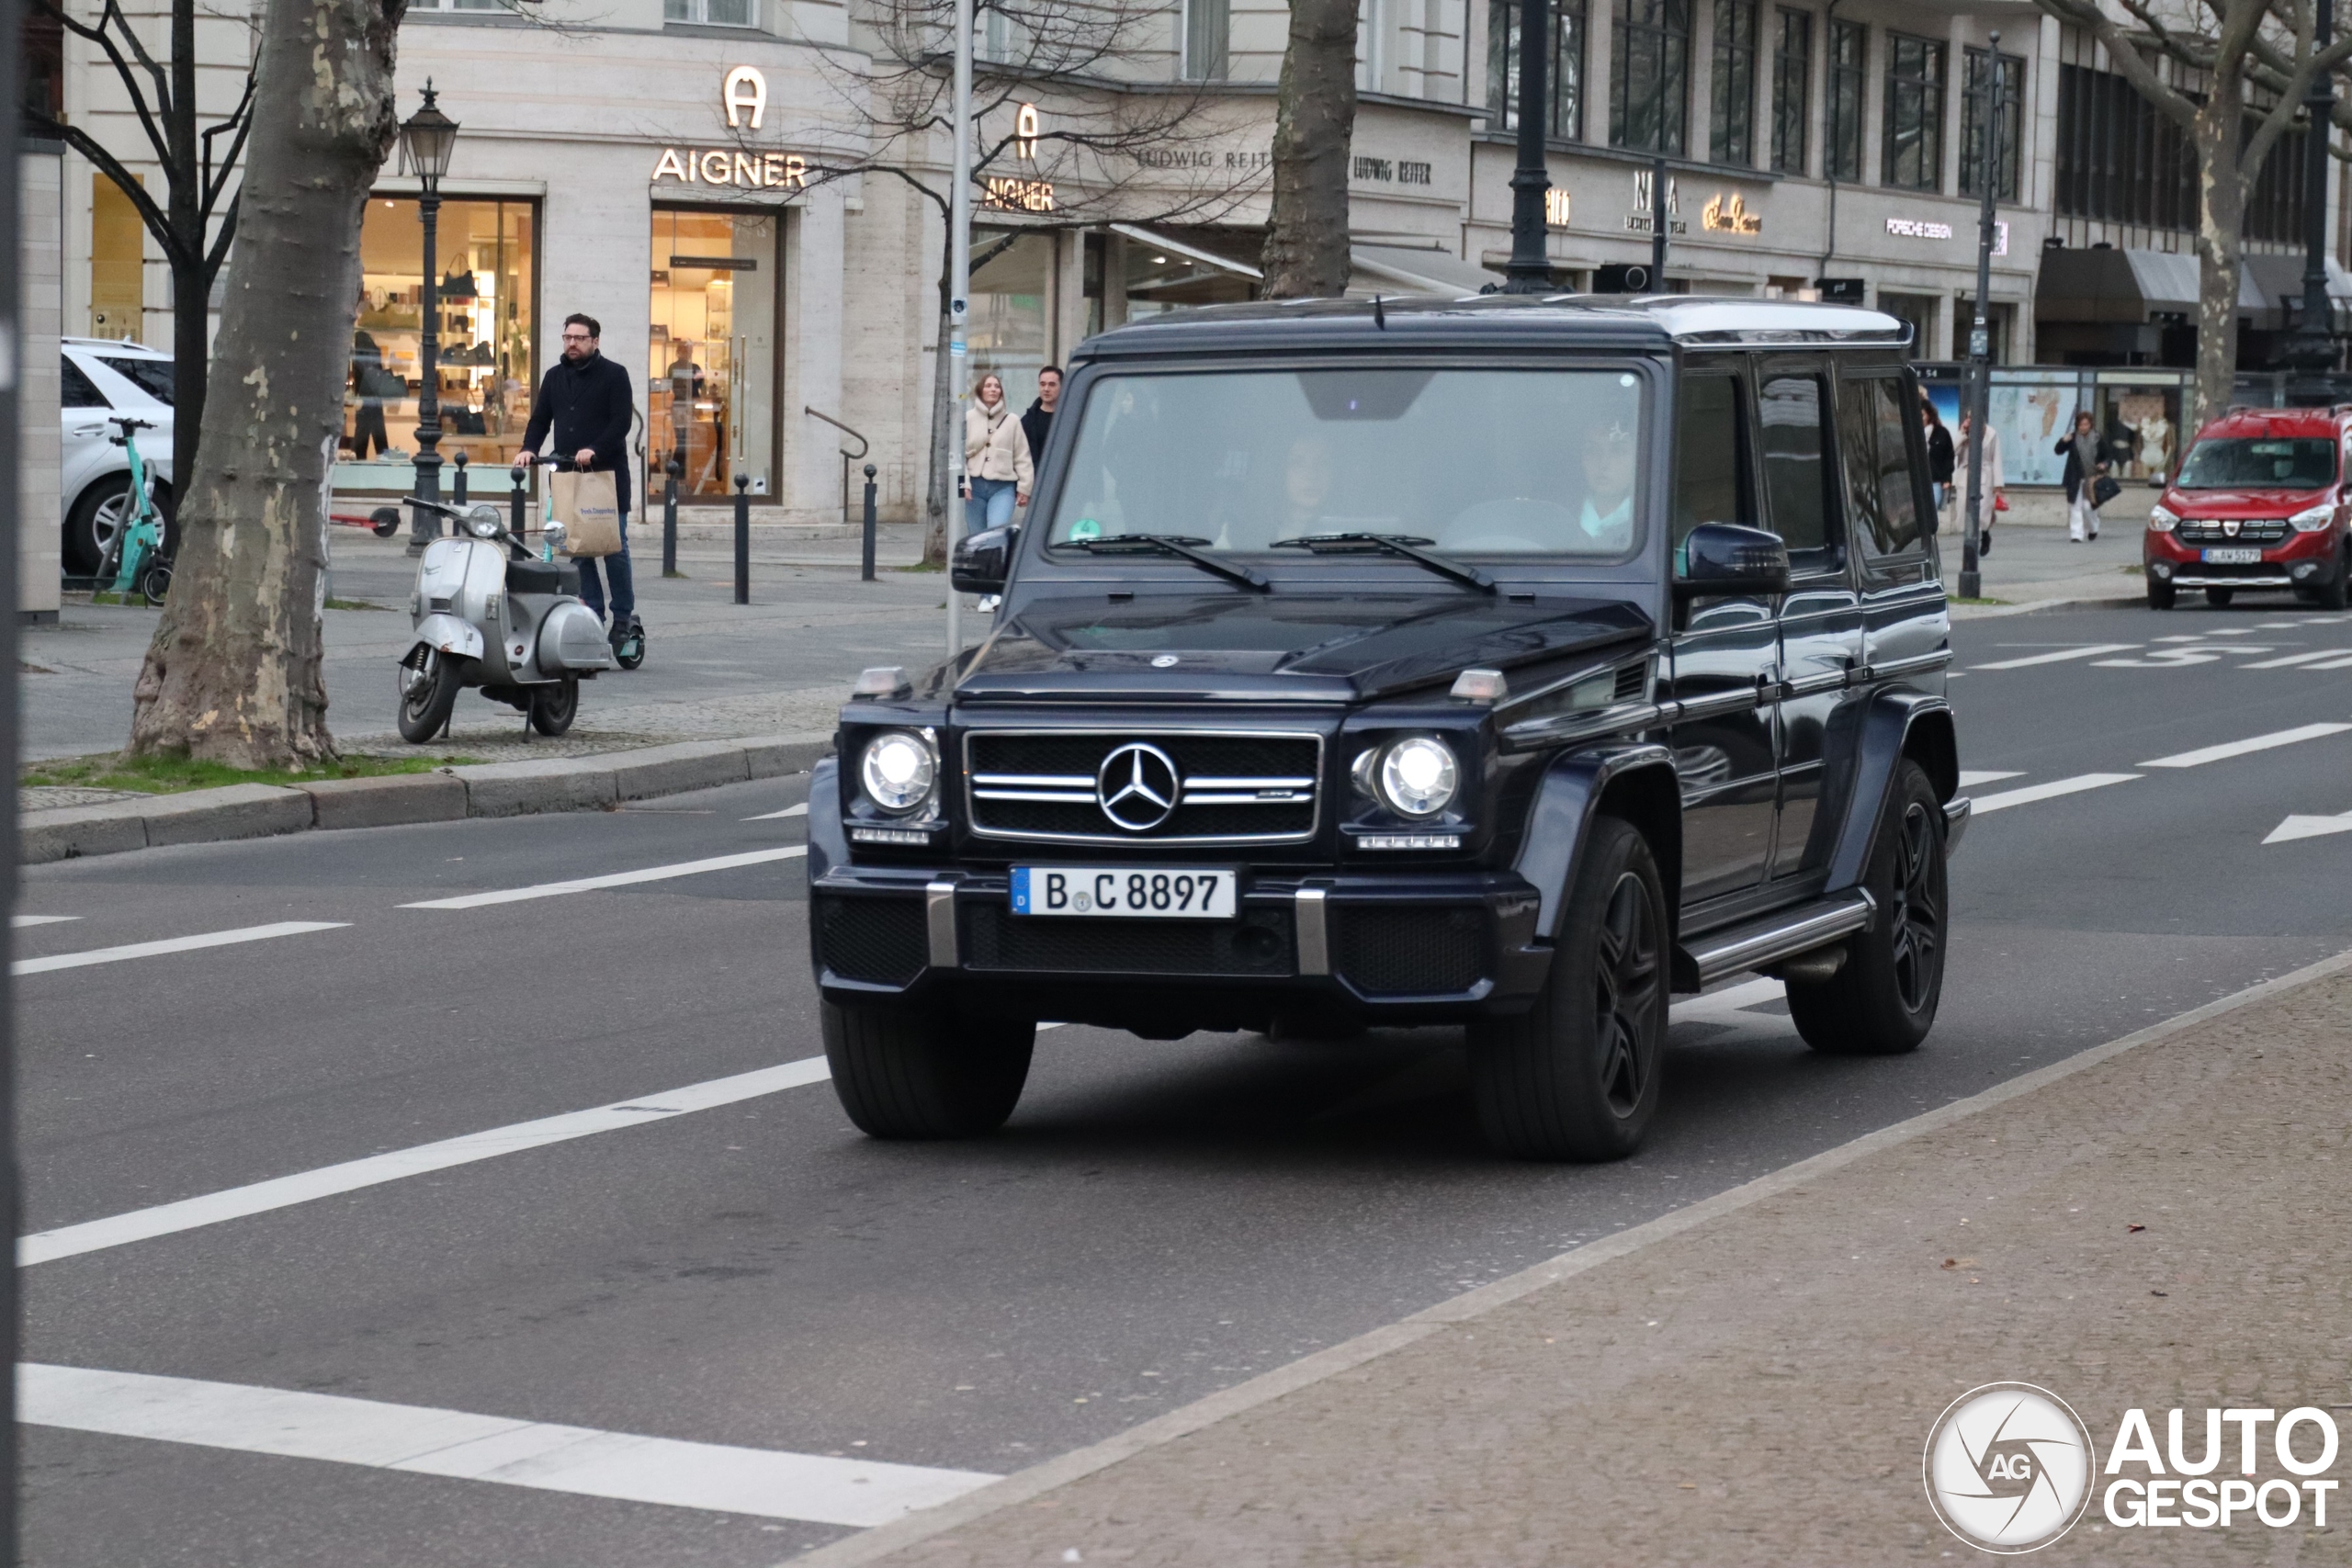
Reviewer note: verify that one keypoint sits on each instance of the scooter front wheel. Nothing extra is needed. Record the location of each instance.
(554, 707)
(428, 695)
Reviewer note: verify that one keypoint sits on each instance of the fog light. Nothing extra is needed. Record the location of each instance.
(2306, 569)
(2161, 569)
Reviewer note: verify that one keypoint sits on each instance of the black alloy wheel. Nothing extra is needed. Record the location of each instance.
(1882, 999)
(1577, 1076)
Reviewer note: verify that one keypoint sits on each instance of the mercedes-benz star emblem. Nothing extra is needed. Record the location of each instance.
(1137, 787)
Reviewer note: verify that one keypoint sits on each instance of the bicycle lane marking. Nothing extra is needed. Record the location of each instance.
(171, 944)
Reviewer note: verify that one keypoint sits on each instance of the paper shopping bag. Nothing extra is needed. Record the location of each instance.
(588, 505)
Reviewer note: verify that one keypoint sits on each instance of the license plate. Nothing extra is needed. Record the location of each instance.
(1135, 891)
(2234, 557)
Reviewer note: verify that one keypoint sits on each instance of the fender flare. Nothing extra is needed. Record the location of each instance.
(827, 844)
(447, 634)
(1561, 817)
(1889, 726)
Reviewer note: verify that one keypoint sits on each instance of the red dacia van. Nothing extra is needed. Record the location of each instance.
(2259, 502)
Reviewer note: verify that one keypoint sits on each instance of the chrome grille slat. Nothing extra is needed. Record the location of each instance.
(1049, 802)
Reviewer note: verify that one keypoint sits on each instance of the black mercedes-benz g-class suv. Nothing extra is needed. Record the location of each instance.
(1503, 661)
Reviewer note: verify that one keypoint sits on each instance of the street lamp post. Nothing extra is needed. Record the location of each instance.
(1530, 270)
(2313, 348)
(427, 138)
(959, 290)
(1980, 333)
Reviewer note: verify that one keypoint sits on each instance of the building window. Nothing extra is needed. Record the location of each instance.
(1649, 104)
(714, 305)
(1731, 132)
(1848, 42)
(1914, 154)
(710, 13)
(488, 303)
(1208, 25)
(1567, 67)
(2010, 120)
(1792, 90)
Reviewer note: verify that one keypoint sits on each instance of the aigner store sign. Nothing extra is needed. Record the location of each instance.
(744, 94)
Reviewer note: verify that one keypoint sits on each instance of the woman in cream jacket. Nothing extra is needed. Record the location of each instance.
(996, 458)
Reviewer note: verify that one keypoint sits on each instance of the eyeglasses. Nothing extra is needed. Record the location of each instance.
(576, 337)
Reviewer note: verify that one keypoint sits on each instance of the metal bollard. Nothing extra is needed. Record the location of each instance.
(458, 493)
(670, 518)
(519, 503)
(867, 575)
(743, 539)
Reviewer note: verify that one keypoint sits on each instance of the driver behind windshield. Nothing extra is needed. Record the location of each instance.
(1607, 520)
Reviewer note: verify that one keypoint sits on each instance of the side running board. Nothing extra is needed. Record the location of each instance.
(1704, 960)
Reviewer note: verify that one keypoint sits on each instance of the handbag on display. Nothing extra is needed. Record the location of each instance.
(588, 505)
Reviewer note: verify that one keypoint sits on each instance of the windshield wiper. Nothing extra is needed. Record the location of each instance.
(1408, 546)
(1182, 545)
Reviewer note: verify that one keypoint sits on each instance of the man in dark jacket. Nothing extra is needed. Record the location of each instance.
(1038, 422)
(585, 399)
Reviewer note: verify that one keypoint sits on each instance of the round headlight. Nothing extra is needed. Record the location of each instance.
(1417, 777)
(897, 769)
(2161, 519)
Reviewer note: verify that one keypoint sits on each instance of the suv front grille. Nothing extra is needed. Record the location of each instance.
(2208, 531)
(1230, 788)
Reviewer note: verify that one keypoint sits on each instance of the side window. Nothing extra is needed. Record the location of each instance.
(75, 389)
(1878, 465)
(1792, 414)
(1710, 458)
(153, 376)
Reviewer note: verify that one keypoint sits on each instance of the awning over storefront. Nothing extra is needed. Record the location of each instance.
(2134, 286)
(1191, 253)
(1429, 271)
(2278, 279)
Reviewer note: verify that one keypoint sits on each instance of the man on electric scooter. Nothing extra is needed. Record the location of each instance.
(585, 398)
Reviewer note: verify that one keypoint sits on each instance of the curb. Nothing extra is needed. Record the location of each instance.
(2027, 607)
(446, 794)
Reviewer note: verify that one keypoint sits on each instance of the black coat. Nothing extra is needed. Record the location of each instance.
(587, 402)
(1940, 458)
(2076, 476)
(1036, 424)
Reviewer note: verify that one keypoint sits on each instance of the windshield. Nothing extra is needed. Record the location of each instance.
(2299, 463)
(1476, 462)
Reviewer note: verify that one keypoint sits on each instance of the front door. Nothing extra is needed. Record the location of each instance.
(1723, 668)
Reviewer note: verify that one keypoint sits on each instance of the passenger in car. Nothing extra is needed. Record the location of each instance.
(1607, 520)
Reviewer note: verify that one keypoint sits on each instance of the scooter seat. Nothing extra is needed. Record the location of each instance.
(541, 577)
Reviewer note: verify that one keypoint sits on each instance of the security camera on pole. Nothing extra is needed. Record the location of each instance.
(1980, 335)
(959, 289)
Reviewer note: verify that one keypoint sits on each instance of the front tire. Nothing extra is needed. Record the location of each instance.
(429, 695)
(2220, 597)
(2161, 595)
(1882, 1000)
(1576, 1076)
(554, 707)
(901, 1073)
(2335, 594)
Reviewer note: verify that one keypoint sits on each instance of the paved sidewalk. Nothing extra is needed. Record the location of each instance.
(1752, 1381)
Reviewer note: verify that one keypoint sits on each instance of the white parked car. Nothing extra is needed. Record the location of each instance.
(101, 377)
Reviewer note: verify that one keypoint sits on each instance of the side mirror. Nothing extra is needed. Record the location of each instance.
(1730, 558)
(982, 560)
(384, 522)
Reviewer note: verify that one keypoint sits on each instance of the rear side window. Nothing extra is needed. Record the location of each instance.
(1710, 457)
(1879, 479)
(75, 391)
(1792, 415)
(153, 376)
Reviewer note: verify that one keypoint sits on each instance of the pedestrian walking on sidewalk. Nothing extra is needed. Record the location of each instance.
(585, 402)
(1990, 483)
(1038, 422)
(996, 458)
(2084, 465)
(1939, 452)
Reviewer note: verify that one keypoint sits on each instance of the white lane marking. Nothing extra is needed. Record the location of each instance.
(173, 944)
(283, 1191)
(2291, 659)
(2175, 658)
(800, 810)
(617, 879)
(1970, 777)
(423, 1440)
(2203, 755)
(2092, 651)
(2332, 664)
(2279, 625)
(22, 920)
(2295, 828)
(2049, 791)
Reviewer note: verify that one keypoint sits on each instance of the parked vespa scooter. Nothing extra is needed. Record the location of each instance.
(490, 615)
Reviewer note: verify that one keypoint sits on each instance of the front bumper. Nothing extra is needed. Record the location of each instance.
(2300, 560)
(1387, 947)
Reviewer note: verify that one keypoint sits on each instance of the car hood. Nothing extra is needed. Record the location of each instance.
(2242, 503)
(1278, 647)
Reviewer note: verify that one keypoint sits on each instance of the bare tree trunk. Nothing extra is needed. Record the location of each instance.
(1315, 116)
(2220, 142)
(234, 672)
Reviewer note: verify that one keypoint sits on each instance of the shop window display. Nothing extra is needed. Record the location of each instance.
(711, 359)
(1007, 328)
(486, 278)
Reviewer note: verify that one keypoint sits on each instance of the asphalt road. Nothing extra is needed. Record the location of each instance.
(1159, 1220)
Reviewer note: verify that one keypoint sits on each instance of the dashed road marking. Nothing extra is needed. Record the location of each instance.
(2289, 660)
(1970, 777)
(20, 922)
(800, 810)
(617, 879)
(2049, 790)
(2092, 651)
(501, 1449)
(2205, 754)
(173, 944)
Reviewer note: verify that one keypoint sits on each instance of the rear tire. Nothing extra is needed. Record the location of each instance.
(901, 1073)
(554, 707)
(2220, 597)
(1882, 1000)
(1576, 1076)
(155, 583)
(2161, 595)
(2336, 593)
(429, 696)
